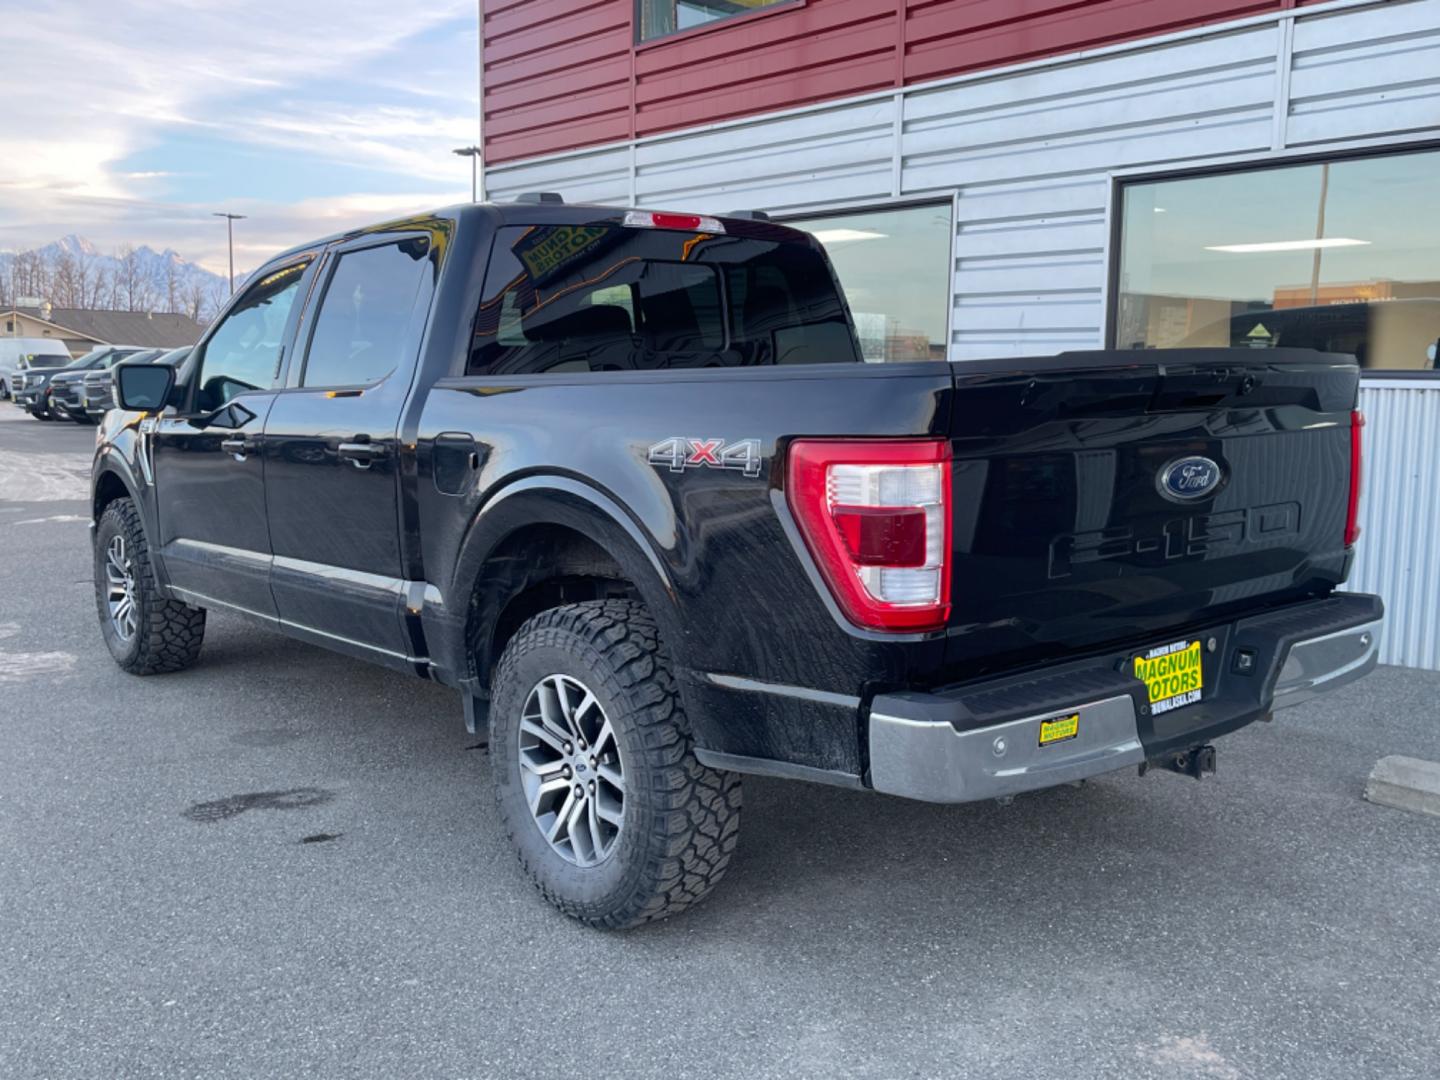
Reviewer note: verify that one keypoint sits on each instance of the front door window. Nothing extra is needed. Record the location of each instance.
(244, 351)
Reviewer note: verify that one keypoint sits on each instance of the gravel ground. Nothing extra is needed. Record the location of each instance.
(163, 915)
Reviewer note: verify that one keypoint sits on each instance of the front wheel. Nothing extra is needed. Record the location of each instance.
(613, 817)
(145, 633)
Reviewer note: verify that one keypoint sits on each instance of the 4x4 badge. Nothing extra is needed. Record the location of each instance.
(680, 453)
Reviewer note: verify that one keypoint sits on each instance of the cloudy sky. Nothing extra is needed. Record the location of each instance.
(130, 121)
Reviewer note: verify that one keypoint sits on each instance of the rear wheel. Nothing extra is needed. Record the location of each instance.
(145, 633)
(612, 815)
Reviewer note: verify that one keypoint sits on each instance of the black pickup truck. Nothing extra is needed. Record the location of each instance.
(623, 480)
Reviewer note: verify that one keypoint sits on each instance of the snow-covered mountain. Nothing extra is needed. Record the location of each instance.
(73, 272)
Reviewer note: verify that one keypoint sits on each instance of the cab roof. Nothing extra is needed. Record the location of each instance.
(497, 215)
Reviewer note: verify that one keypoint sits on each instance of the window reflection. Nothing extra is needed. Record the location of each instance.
(1342, 256)
(895, 268)
(661, 17)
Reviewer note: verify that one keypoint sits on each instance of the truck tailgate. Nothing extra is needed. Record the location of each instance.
(1122, 496)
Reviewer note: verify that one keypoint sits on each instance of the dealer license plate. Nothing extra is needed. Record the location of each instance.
(1059, 729)
(1173, 675)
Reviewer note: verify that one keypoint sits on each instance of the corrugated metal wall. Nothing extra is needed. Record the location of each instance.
(557, 75)
(1028, 157)
(1398, 556)
(563, 75)
(1031, 153)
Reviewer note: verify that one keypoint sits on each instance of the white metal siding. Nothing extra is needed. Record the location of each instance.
(1359, 73)
(592, 176)
(1029, 155)
(832, 155)
(1398, 556)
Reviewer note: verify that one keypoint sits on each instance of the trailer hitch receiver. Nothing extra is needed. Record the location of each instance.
(1196, 762)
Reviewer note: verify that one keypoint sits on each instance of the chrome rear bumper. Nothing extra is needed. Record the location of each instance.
(931, 761)
(1322, 664)
(936, 748)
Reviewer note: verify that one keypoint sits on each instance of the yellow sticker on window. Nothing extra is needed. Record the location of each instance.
(1059, 729)
(1173, 675)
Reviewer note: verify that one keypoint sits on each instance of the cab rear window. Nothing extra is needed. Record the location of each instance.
(582, 298)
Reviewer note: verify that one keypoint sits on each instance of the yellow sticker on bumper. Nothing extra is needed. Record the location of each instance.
(1059, 729)
(1173, 675)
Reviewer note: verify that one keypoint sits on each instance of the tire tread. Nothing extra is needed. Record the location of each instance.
(171, 633)
(694, 831)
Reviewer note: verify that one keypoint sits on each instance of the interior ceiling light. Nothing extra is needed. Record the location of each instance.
(846, 236)
(1289, 245)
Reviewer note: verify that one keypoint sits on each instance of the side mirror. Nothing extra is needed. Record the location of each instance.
(143, 387)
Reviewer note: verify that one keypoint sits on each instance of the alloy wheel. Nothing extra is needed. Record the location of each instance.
(120, 589)
(571, 770)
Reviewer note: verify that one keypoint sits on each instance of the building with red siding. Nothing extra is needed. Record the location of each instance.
(1026, 177)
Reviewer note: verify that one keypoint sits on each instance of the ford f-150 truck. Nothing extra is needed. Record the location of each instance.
(623, 480)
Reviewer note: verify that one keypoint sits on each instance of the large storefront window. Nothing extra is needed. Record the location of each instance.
(895, 268)
(1342, 256)
(661, 17)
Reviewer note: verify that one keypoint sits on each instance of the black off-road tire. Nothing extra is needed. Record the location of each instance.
(681, 819)
(168, 634)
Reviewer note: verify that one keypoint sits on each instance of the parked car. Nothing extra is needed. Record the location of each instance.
(1390, 335)
(16, 354)
(97, 389)
(84, 396)
(623, 480)
(67, 388)
(33, 386)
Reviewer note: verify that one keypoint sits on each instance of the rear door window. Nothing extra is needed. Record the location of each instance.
(362, 328)
(587, 298)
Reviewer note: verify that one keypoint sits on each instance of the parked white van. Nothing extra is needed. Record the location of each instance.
(18, 353)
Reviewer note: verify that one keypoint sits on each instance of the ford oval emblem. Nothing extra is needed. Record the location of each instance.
(1189, 478)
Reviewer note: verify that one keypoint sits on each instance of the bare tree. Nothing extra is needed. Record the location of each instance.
(197, 301)
(29, 275)
(127, 278)
(172, 283)
(219, 297)
(101, 293)
(84, 278)
(64, 288)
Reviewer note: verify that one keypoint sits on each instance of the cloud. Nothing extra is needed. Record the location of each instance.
(131, 120)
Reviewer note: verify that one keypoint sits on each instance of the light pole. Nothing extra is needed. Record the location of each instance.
(230, 220)
(473, 153)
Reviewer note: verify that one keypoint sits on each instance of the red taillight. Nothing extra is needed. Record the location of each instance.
(875, 516)
(1352, 516)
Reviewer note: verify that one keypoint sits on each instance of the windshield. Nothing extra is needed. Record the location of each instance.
(44, 360)
(89, 357)
(89, 360)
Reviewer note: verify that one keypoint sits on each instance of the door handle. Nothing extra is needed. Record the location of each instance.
(238, 447)
(361, 454)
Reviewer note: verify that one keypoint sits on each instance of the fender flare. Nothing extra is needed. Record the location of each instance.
(110, 461)
(549, 499)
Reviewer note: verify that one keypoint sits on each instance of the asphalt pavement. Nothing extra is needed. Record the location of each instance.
(286, 863)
